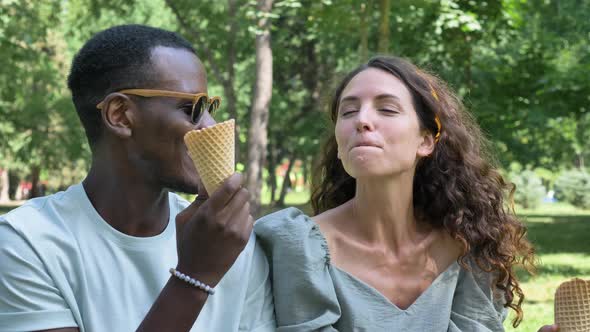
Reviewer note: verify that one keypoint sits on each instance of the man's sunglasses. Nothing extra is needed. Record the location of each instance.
(201, 101)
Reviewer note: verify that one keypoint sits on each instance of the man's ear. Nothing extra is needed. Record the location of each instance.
(116, 115)
(427, 146)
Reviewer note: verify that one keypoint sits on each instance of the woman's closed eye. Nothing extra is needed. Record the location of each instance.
(348, 112)
(388, 111)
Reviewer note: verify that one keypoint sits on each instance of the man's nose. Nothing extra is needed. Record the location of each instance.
(206, 121)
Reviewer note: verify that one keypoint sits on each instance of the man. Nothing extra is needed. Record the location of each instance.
(97, 256)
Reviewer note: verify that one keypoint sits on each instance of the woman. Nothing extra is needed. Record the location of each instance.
(411, 231)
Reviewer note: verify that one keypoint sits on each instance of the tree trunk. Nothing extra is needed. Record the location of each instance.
(384, 26)
(228, 83)
(579, 141)
(4, 186)
(257, 133)
(579, 161)
(306, 169)
(364, 30)
(35, 172)
(286, 182)
(468, 59)
(272, 177)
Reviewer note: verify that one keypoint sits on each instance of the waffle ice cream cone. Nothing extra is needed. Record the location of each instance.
(572, 306)
(212, 151)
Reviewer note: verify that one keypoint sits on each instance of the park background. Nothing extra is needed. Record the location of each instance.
(521, 67)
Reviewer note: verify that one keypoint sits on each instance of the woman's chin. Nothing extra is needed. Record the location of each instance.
(366, 173)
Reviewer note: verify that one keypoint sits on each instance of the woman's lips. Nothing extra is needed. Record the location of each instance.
(361, 144)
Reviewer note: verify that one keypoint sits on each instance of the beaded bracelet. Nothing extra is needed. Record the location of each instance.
(192, 281)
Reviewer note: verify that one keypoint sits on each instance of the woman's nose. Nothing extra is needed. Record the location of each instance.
(364, 121)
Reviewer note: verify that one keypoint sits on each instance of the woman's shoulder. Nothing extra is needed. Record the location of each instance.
(477, 294)
(291, 234)
(286, 220)
(303, 289)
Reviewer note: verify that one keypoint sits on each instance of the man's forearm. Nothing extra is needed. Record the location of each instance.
(176, 308)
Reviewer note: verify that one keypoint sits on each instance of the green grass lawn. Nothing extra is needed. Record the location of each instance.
(561, 235)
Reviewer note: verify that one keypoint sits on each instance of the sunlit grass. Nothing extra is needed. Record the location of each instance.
(560, 234)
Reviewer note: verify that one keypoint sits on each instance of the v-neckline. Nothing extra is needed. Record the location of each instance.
(453, 266)
(385, 299)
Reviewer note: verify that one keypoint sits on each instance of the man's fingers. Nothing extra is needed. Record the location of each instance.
(240, 199)
(229, 213)
(185, 215)
(241, 223)
(225, 192)
(247, 226)
(549, 328)
(190, 210)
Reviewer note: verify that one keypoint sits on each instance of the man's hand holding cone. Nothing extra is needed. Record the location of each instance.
(215, 228)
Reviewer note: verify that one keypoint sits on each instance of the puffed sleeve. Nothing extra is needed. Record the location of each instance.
(303, 290)
(476, 306)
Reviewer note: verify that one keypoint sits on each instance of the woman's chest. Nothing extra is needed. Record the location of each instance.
(365, 308)
(400, 284)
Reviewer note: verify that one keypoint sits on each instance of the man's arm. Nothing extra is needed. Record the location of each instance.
(211, 233)
(176, 309)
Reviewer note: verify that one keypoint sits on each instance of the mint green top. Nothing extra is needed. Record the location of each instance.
(311, 294)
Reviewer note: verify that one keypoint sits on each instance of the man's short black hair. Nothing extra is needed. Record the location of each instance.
(114, 59)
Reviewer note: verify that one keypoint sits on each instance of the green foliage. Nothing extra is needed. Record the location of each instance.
(529, 187)
(573, 186)
(531, 90)
(38, 128)
(522, 67)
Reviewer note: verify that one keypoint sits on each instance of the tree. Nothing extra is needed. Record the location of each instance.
(33, 101)
(257, 133)
(384, 28)
(4, 184)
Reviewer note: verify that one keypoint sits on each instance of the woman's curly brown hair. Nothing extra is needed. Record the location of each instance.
(456, 187)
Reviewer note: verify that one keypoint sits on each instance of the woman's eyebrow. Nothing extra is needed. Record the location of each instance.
(349, 98)
(387, 96)
(382, 96)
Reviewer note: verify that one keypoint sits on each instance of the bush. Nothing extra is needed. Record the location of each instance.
(529, 188)
(574, 187)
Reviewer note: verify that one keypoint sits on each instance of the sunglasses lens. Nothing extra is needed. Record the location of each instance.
(198, 109)
(214, 106)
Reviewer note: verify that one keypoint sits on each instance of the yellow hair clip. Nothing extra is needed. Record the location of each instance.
(436, 119)
(437, 136)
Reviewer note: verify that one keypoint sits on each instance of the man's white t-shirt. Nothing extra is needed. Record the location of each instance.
(62, 265)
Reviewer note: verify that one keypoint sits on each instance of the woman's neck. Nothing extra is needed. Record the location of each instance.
(382, 212)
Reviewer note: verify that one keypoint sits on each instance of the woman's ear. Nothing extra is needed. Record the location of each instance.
(427, 145)
(116, 115)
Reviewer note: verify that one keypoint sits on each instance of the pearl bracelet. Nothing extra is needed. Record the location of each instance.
(192, 281)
